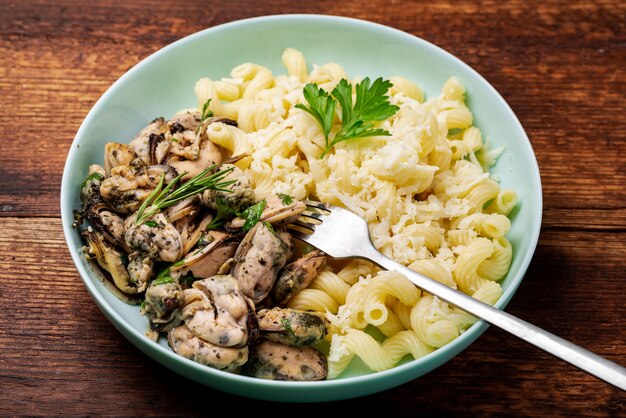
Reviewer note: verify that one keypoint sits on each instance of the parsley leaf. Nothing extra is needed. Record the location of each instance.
(285, 198)
(252, 215)
(163, 278)
(92, 176)
(321, 107)
(224, 212)
(371, 105)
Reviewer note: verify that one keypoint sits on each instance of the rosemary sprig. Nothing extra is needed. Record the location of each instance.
(205, 114)
(161, 198)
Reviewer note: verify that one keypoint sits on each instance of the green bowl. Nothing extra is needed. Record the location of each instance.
(163, 83)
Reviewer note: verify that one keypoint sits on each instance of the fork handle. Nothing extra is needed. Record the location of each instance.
(598, 366)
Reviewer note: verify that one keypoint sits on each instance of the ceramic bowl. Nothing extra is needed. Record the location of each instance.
(163, 83)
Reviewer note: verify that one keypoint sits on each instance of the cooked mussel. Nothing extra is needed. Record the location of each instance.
(155, 238)
(240, 194)
(104, 219)
(110, 259)
(149, 144)
(207, 260)
(297, 276)
(276, 212)
(292, 327)
(216, 311)
(190, 346)
(140, 268)
(207, 155)
(129, 185)
(116, 154)
(275, 361)
(164, 298)
(259, 257)
(191, 150)
(90, 189)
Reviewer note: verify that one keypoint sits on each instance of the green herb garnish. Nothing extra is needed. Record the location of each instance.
(224, 212)
(321, 107)
(285, 198)
(163, 278)
(270, 227)
(205, 114)
(92, 176)
(161, 198)
(151, 224)
(287, 326)
(252, 215)
(189, 279)
(357, 119)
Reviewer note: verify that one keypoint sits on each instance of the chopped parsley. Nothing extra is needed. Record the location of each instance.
(285, 198)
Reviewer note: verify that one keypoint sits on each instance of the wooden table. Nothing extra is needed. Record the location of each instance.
(561, 67)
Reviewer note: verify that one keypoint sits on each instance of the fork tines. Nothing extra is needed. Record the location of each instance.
(305, 225)
(318, 206)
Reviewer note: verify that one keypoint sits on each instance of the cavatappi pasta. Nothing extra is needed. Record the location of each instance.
(424, 190)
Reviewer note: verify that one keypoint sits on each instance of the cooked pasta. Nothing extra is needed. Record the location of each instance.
(424, 190)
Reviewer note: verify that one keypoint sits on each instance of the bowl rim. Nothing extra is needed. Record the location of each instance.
(147, 345)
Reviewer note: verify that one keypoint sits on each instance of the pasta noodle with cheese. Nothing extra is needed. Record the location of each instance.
(424, 190)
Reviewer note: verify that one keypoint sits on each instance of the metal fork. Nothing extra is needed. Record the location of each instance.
(342, 234)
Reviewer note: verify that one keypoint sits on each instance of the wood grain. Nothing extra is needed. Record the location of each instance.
(560, 66)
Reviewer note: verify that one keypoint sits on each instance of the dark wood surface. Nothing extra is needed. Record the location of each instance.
(561, 67)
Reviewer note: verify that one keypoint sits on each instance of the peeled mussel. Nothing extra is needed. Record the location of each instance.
(240, 194)
(219, 324)
(292, 327)
(276, 213)
(259, 257)
(155, 238)
(275, 361)
(110, 259)
(216, 311)
(164, 298)
(208, 260)
(187, 344)
(129, 185)
(297, 276)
